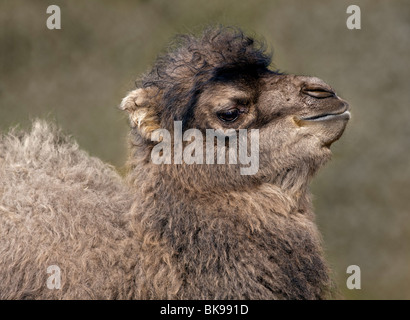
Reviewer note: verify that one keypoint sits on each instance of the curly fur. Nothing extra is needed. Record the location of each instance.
(193, 62)
(170, 231)
(58, 206)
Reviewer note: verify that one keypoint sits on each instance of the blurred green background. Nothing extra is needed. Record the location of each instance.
(77, 76)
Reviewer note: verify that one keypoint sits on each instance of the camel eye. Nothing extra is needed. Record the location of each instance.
(228, 116)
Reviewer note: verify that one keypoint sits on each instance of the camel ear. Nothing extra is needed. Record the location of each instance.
(139, 105)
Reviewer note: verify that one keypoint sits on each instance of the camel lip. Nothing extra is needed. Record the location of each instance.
(344, 115)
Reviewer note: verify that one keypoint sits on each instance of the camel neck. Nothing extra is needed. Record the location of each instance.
(263, 234)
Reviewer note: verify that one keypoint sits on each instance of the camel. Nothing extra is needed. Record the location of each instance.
(172, 229)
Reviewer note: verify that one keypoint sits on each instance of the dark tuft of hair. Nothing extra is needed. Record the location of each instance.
(191, 62)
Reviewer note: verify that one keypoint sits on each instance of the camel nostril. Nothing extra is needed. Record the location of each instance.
(318, 92)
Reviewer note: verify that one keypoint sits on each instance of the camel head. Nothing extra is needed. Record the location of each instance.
(222, 81)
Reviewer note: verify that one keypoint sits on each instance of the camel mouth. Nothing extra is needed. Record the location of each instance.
(344, 115)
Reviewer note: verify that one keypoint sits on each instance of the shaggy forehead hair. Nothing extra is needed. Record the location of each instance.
(193, 62)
